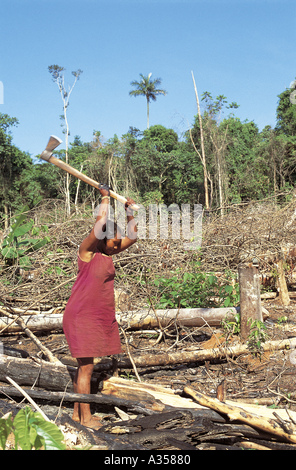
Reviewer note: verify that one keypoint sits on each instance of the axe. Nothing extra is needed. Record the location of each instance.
(47, 156)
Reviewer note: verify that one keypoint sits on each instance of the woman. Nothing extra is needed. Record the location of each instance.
(89, 321)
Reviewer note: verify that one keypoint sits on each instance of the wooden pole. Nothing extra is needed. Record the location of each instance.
(250, 301)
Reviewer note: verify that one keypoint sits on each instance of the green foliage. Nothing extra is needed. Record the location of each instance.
(13, 163)
(232, 327)
(5, 430)
(196, 289)
(257, 336)
(286, 114)
(31, 431)
(19, 242)
(152, 197)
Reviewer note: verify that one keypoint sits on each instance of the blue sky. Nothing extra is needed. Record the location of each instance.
(244, 49)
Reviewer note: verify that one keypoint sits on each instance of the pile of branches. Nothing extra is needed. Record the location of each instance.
(258, 232)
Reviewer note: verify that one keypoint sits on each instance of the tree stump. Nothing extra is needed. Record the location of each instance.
(250, 301)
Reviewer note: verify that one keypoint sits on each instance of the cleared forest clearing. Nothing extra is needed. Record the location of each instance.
(261, 233)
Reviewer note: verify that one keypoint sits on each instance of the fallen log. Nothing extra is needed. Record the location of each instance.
(185, 357)
(235, 413)
(42, 374)
(59, 378)
(39, 322)
(60, 397)
(181, 429)
(208, 354)
(187, 317)
(121, 388)
(178, 428)
(192, 317)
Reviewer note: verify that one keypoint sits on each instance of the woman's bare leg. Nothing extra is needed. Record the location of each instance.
(82, 385)
(76, 411)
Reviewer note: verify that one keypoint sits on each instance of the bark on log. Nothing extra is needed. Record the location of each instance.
(208, 354)
(236, 413)
(57, 377)
(43, 374)
(53, 377)
(193, 317)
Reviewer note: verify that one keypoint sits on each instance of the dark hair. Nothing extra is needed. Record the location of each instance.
(111, 229)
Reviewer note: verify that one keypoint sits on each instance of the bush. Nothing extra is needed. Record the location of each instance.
(196, 289)
(21, 241)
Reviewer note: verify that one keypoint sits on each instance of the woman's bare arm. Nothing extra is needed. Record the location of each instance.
(89, 244)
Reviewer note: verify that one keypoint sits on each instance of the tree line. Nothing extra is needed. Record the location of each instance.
(220, 161)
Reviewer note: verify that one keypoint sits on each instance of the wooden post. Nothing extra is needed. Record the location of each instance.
(250, 301)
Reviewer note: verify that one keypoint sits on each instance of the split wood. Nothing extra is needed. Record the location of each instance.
(236, 413)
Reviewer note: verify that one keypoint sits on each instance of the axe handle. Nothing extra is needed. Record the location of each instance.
(64, 166)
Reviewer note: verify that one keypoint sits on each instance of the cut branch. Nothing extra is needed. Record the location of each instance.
(25, 394)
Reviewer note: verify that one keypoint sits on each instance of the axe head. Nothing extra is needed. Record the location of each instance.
(52, 144)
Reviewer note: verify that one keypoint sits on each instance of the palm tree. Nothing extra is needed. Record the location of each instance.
(148, 88)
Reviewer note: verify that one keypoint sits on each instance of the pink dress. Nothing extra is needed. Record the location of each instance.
(89, 321)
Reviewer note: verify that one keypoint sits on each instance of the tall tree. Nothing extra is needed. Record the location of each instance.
(58, 77)
(201, 154)
(286, 113)
(215, 142)
(14, 191)
(154, 158)
(286, 130)
(246, 173)
(148, 88)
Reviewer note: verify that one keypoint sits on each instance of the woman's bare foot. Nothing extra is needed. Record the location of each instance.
(94, 423)
(76, 418)
(76, 412)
